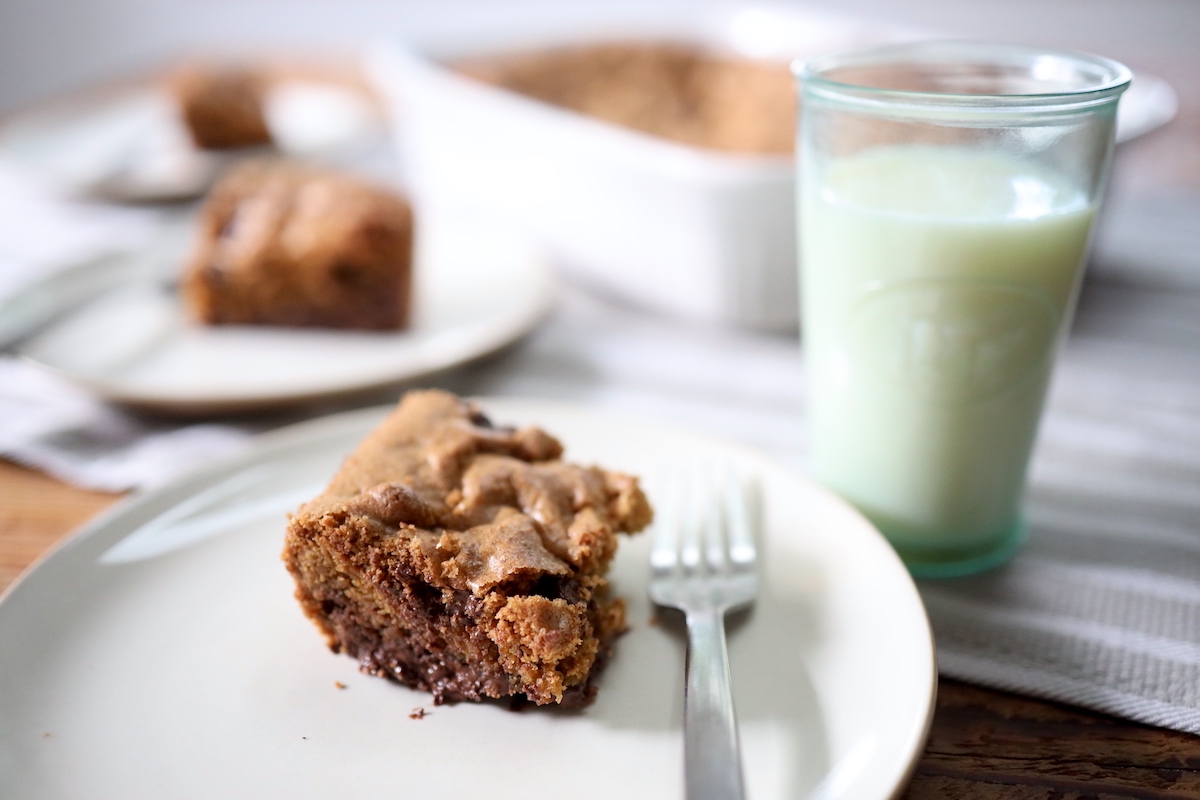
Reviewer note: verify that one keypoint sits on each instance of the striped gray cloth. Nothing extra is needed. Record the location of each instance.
(1102, 607)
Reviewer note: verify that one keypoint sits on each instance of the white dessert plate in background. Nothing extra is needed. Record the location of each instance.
(478, 287)
(129, 142)
(159, 653)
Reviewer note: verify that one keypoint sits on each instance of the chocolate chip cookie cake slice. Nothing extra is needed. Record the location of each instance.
(464, 559)
(290, 244)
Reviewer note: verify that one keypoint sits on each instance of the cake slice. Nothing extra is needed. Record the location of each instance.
(222, 105)
(286, 244)
(464, 559)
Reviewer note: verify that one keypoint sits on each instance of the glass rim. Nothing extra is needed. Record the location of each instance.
(812, 75)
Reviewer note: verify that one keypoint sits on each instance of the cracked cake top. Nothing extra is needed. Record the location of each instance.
(478, 506)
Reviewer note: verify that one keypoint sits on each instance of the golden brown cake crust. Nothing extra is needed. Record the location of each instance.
(673, 90)
(463, 559)
(285, 244)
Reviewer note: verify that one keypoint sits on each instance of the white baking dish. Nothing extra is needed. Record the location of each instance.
(695, 233)
(691, 232)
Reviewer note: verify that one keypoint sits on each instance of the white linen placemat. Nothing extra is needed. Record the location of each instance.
(42, 231)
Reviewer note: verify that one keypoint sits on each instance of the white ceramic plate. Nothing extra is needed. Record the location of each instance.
(129, 143)
(478, 287)
(159, 653)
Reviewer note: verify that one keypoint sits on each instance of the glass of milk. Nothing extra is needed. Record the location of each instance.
(946, 197)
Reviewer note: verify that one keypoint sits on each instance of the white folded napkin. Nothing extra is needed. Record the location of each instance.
(56, 427)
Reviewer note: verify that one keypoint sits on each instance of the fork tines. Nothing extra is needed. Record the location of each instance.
(704, 530)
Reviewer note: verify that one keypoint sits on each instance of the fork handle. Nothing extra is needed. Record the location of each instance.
(712, 765)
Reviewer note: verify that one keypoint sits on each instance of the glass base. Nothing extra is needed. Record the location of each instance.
(947, 563)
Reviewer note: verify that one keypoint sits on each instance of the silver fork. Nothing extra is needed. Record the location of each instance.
(703, 562)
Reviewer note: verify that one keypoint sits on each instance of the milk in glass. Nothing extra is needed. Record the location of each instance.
(936, 284)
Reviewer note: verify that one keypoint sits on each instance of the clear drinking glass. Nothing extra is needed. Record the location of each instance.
(947, 192)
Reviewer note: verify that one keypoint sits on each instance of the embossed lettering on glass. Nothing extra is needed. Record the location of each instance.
(946, 193)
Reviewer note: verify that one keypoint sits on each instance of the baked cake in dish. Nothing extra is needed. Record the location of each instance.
(465, 559)
(677, 91)
(222, 106)
(285, 244)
